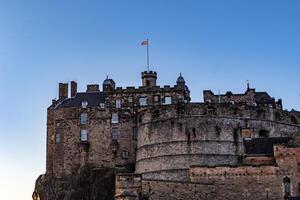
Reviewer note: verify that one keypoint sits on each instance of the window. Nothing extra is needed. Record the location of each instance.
(84, 104)
(287, 186)
(57, 138)
(277, 116)
(102, 105)
(134, 133)
(231, 102)
(114, 133)
(83, 118)
(130, 99)
(143, 101)
(124, 154)
(118, 103)
(114, 118)
(156, 98)
(84, 135)
(263, 133)
(293, 119)
(147, 83)
(167, 100)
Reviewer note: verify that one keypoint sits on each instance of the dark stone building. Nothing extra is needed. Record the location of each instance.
(151, 142)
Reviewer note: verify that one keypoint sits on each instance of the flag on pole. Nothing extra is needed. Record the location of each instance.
(145, 42)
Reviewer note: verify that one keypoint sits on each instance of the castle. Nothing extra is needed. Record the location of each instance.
(160, 145)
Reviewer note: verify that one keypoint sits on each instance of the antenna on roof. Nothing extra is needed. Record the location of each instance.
(219, 96)
(106, 77)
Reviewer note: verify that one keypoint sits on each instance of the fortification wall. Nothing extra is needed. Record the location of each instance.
(254, 182)
(172, 138)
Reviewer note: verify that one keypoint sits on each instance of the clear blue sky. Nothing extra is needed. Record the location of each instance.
(215, 44)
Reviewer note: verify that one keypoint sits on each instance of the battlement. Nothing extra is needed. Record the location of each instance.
(250, 97)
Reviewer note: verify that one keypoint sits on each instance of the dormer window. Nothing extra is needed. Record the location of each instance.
(118, 103)
(143, 101)
(83, 118)
(84, 104)
(114, 118)
(84, 135)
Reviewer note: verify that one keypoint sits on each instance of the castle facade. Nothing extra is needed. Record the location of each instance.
(163, 146)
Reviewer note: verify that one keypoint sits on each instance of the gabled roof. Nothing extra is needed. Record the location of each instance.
(93, 99)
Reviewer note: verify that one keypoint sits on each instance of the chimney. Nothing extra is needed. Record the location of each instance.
(92, 88)
(63, 91)
(73, 88)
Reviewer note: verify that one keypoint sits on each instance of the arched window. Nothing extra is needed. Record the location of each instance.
(287, 186)
(263, 133)
(294, 120)
(277, 116)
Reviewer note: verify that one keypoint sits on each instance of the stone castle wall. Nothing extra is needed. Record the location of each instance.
(170, 140)
(98, 151)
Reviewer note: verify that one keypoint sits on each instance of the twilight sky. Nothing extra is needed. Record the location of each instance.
(216, 44)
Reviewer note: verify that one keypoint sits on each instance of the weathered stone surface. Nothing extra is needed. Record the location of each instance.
(177, 149)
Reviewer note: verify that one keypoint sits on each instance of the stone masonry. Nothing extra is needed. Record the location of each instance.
(156, 144)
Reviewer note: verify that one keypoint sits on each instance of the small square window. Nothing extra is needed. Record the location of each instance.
(84, 118)
(84, 135)
(298, 167)
(102, 105)
(143, 101)
(156, 98)
(118, 103)
(125, 154)
(167, 100)
(114, 133)
(130, 99)
(84, 104)
(57, 138)
(114, 118)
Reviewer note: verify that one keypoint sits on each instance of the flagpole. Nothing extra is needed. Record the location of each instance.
(147, 55)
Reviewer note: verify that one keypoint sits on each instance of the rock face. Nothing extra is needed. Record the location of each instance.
(88, 184)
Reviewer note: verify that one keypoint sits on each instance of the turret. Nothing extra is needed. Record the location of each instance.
(108, 84)
(180, 82)
(149, 78)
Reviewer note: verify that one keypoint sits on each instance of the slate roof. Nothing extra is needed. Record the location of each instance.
(263, 145)
(263, 97)
(93, 99)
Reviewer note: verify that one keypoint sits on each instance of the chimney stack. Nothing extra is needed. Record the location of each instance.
(92, 88)
(63, 91)
(73, 88)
